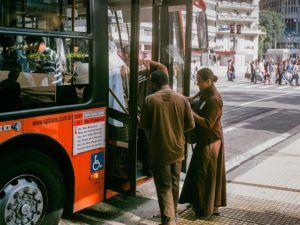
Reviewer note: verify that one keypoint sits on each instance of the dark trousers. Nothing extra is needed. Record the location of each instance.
(142, 151)
(295, 77)
(252, 76)
(279, 78)
(166, 179)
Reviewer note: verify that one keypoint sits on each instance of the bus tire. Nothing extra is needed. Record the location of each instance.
(31, 189)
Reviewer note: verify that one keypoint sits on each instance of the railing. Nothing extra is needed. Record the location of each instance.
(245, 5)
(237, 17)
(223, 29)
(244, 30)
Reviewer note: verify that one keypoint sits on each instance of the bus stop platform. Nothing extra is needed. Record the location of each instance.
(266, 191)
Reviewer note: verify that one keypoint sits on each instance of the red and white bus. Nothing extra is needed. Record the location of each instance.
(72, 82)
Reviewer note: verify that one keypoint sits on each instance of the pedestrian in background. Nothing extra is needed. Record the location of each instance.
(288, 72)
(248, 70)
(230, 70)
(295, 75)
(194, 70)
(166, 115)
(268, 71)
(252, 66)
(279, 71)
(205, 183)
(261, 68)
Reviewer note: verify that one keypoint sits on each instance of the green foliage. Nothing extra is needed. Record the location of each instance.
(272, 24)
(78, 56)
(36, 56)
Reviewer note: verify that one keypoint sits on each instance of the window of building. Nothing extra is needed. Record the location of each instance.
(248, 38)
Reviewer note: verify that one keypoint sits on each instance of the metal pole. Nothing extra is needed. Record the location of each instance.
(134, 58)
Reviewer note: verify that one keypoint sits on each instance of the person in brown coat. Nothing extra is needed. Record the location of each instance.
(166, 115)
(205, 183)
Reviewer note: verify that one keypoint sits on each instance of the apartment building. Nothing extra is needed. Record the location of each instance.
(222, 44)
(237, 31)
(290, 10)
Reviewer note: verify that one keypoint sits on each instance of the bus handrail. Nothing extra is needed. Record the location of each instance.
(118, 101)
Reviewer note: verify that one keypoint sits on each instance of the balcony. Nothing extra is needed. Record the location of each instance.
(237, 18)
(236, 5)
(223, 30)
(247, 31)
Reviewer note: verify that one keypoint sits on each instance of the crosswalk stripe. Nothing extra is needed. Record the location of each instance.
(239, 85)
(250, 86)
(283, 87)
(268, 86)
(222, 84)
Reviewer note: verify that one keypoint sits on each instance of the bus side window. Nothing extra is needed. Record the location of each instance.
(10, 91)
(52, 71)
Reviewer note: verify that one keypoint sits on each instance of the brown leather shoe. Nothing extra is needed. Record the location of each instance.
(216, 211)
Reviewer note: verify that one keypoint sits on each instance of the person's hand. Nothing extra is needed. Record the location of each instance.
(190, 98)
(147, 63)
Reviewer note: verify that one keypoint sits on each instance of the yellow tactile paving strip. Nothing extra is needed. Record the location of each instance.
(247, 210)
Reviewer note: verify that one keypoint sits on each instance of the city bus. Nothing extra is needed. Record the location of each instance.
(72, 82)
(282, 54)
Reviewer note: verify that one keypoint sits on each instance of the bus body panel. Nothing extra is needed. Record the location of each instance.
(86, 148)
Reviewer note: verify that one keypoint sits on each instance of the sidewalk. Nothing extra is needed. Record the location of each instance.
(268, 193)
(265, 190)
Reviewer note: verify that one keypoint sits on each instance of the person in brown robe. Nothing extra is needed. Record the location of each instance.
(205, 183)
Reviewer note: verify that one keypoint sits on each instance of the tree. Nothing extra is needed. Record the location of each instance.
(272, 23)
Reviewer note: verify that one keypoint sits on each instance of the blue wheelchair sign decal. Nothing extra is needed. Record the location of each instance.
(97, 161)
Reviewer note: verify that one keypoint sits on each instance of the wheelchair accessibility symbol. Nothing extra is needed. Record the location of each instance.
(97, 161)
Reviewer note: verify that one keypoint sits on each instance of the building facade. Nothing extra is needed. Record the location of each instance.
(290, 10)
(237, 31)
(242, 15)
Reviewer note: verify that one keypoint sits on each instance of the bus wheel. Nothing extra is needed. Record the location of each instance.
(31, 189)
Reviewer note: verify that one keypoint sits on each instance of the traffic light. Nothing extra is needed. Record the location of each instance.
(232, 28)
(238, 28)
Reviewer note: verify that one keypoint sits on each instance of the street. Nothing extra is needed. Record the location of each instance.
(257, 114)
(258, 121)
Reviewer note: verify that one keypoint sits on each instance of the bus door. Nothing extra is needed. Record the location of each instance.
(155, 30)
(122, 116)
(135, 36)
(186, 24)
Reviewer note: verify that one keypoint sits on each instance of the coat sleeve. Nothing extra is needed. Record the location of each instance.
(189, 119)
(213, 111)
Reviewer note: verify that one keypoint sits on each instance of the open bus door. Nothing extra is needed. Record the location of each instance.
(176, 46)
(126, 94)
(137, 30)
